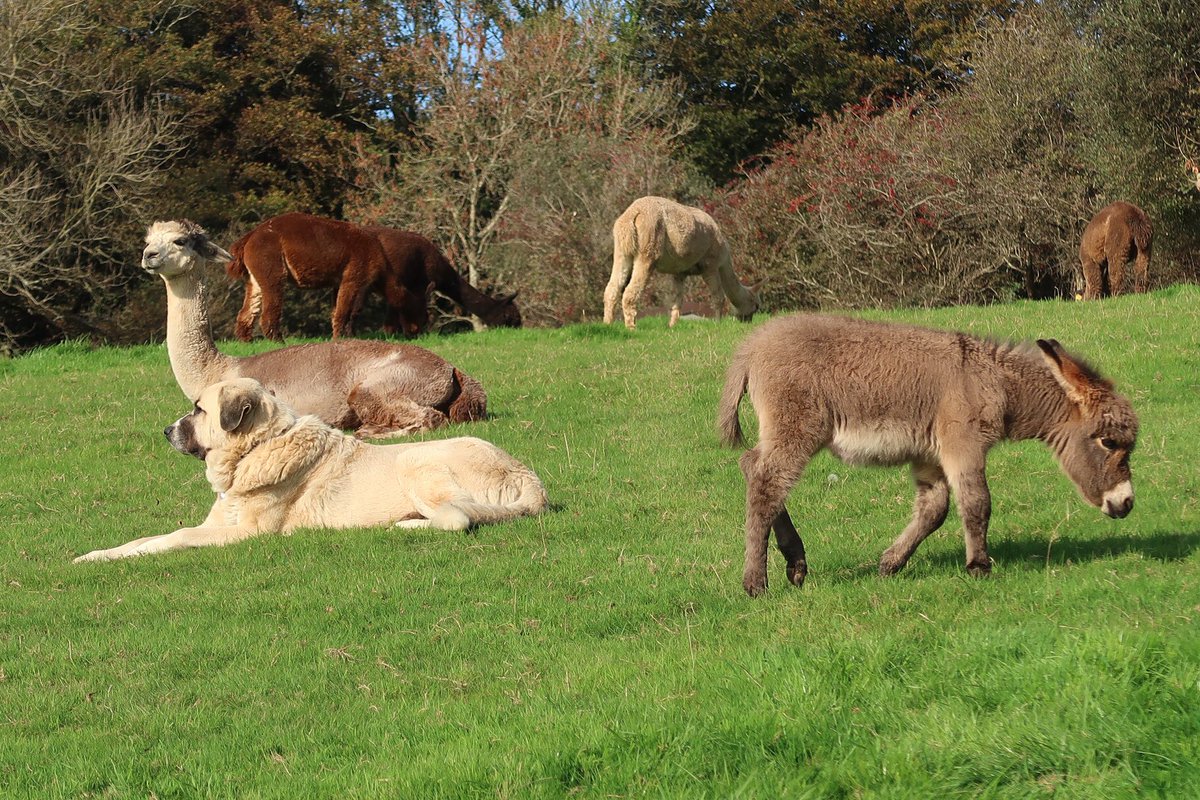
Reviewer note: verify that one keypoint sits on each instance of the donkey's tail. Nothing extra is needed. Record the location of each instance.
(236, 266)
(729, 427)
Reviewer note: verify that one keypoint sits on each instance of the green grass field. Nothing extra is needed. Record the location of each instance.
(604, 649)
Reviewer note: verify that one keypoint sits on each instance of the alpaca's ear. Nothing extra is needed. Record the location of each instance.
(212, 251)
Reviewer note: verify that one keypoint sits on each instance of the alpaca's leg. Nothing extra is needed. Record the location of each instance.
(408, 313)
(1141, 270)
(713, 280)
(622, 267)
(929, 512)
(351, 295)
(399, 402)
(251, 305)
(272, 309)
(1091, 277)
(1117, 257)
(677, 289)
(633, 292)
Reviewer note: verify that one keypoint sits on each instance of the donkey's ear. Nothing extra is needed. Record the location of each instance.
(237, 405)
(1076, 379)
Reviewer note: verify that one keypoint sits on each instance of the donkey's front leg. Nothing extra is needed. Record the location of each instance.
(929, 512)
(975, 509)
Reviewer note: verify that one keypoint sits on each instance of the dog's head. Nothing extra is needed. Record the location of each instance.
(236, 414)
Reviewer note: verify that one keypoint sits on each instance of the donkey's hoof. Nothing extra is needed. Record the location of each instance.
(980, 570)
(754, 584)
(889, 566)
(796, 573)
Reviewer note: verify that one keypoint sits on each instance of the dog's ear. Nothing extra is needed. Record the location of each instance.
(237, 405)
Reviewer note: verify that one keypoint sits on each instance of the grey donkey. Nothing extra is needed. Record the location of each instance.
(886, 394)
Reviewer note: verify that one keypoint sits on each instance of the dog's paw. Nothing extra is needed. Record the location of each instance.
(95, 555)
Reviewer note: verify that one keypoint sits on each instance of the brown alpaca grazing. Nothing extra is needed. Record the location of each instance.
(417, 267)
(876, 393)
(658, 234)
(315, 252)
(1118, 232)
(378, 389)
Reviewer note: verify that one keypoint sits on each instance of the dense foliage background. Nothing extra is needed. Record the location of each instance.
(860, 153)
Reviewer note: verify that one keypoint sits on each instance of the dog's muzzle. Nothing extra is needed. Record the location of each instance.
(182, 437)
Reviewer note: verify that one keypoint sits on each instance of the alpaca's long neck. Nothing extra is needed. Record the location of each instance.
(1037, 405)
(195, 359)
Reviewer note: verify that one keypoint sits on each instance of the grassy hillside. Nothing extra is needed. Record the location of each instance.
(605, 649)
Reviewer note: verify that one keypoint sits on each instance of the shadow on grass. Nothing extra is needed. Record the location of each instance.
(1022, 554)
(1026, 553)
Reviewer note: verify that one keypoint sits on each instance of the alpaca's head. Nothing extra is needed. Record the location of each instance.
(178, 246)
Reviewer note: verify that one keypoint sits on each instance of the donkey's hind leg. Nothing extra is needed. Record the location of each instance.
(929, 512)
(787, 538)
(792, 547)
(771, 473)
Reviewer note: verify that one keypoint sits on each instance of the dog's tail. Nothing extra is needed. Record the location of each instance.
(529, 497)
(729, 427)
(522, 495)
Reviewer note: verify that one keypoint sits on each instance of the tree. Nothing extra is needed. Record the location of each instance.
(273, 93)
(80, 162)
(529, 148)
(754, 69)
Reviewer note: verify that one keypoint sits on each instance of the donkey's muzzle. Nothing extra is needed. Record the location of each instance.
(1118, 501)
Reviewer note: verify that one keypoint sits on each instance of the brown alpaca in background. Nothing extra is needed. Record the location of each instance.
(1118, 232)
(314, 252)
(419, 267)
(886, 394)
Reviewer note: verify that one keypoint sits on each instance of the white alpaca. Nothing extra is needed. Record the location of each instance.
(377, 388)
(659, 234)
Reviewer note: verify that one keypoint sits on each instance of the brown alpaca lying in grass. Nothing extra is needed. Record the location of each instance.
(886, 394)
(677, 240)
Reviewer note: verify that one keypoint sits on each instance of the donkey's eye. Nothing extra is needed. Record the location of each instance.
(1109, 444)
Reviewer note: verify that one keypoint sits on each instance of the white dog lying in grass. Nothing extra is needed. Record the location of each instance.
(273, 472)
